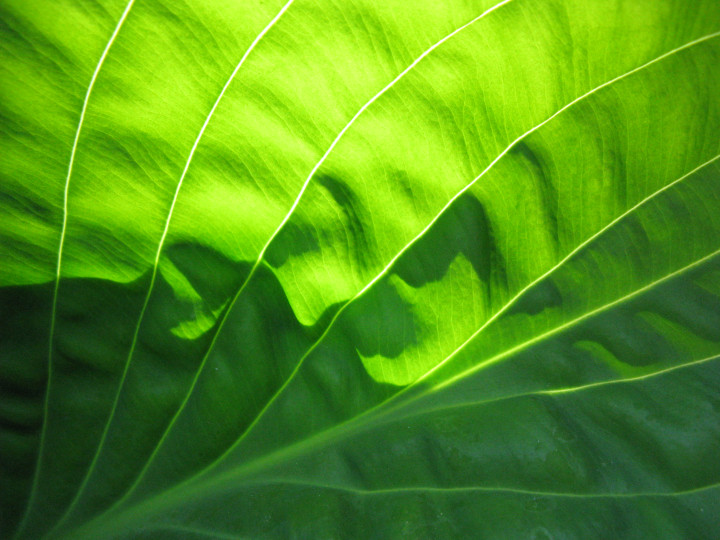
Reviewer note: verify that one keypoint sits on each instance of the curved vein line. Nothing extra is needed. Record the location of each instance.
(193, 530)
(58, 266)
(164, 502)
(484, 489)
(519, 348)
(564, 260)
(352, 121)
(156, 263)
(215, 462)
(571, 323)
(558, 391)
(427, 228)
(264, 249)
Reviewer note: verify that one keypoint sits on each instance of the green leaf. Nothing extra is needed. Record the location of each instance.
(360, 269)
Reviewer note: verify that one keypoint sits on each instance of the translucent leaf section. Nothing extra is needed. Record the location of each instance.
(359, 269)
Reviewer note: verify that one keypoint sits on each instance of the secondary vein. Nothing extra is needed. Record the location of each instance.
(58, 266)
(156, 263)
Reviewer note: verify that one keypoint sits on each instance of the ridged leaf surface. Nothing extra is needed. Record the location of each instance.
(360, 269)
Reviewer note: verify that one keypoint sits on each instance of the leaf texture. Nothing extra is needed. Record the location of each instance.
(314, 269)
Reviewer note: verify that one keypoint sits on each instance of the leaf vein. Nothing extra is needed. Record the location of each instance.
(58, 266)
(156, 264)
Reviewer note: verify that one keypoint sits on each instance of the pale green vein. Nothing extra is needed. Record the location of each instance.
(572, 323)
(58, 267)
(499, 490)
(261, 255)
(522, 346)
(156, 263)
(560, 391)
(138, 513)
(565, 259)
(193, 530)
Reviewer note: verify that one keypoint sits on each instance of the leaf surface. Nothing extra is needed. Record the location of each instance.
(360, 269)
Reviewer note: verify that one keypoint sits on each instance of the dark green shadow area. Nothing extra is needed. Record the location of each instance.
(333, 382)
(94, 325)
(24, 327)
(381, 322)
